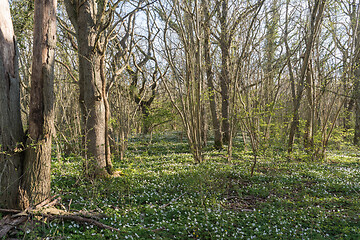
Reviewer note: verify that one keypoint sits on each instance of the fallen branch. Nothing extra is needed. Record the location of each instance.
(82, 220)
(8, 223)
(9, 211)
(46, 210)
(46, 202)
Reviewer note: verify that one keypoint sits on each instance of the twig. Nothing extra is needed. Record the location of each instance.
(46, 202)
(81, 220)
(14, 211)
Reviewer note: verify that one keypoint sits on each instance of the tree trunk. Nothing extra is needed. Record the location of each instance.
(210, 79)
(316, 18)
(224, 75)
(109, 166)
(11, 130)
(146, 126)
(356, 75)
(204, 126)
(84, 19)
(309, 119)
(357, 110)
(93, 108)
(37, 163)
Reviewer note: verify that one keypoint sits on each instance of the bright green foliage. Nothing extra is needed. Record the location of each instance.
(161, 194)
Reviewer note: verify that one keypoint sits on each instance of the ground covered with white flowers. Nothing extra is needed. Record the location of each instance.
(161, 194)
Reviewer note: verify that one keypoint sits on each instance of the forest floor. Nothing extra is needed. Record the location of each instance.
(158, 193)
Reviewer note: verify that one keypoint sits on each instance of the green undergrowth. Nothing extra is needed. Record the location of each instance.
(159, 193)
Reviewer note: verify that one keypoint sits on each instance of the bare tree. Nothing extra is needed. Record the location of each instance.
(210, 75)
(314, 26)
(183, 22)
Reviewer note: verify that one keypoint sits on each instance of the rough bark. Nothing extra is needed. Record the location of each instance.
(85, 20)
(11, 130)
(37, 163)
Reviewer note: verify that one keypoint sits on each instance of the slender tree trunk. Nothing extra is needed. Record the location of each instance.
(109, 166)
(357, 99)
(316, 18)
(224, 75)
(357, 117)
(204, 126)
(356, 75)
(11, 130)
(210, 79)
(309, 119)
(37, 163)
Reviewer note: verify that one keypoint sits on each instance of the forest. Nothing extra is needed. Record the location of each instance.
(179, 119)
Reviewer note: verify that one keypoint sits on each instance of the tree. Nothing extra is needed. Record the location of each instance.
(26, 178)
(356, 75)
(144, 104)
(94, 25)
(90, 19)
(11, 129)
(314, 26)
(210, 76)
(225, 41)
(37, 164)
(185, 60)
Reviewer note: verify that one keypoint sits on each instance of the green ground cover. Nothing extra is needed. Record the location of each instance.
(161, 194)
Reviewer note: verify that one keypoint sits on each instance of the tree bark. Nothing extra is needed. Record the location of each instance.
(224, 75)
(37, 163)
(85, 21)
(309, 118)
(11, 129)
(210, 79)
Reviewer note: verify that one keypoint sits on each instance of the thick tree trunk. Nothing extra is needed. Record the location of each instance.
(11, 130)
(41, 117)
(95, 110)
(91, 96)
